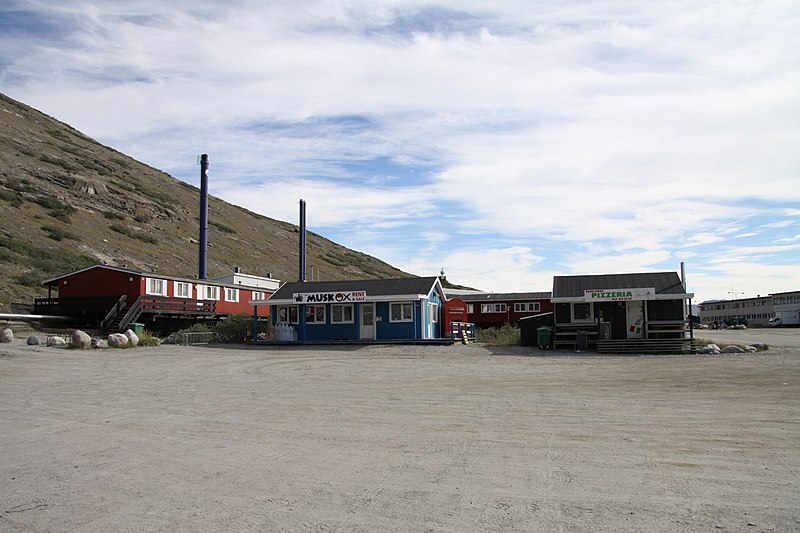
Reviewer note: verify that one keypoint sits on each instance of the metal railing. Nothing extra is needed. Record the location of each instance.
(193, 338)
(461, 330)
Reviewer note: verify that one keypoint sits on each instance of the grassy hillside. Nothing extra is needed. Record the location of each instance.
(67, 201)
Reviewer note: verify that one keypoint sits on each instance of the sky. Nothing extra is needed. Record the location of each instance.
(505, 142)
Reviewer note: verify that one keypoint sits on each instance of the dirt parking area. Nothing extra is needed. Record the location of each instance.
(396, 438)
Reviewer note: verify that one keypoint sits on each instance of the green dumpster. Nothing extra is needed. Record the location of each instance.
(137, 328)
(544, 337)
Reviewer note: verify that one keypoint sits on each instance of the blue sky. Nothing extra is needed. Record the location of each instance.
(505, 141)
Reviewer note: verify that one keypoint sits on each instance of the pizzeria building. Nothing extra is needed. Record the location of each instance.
(405, 309)
(642, 312)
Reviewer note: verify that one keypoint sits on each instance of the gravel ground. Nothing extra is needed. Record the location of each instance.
(396, 438)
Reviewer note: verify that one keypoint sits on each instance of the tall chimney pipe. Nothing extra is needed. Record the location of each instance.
(302, 274)
(203, 273)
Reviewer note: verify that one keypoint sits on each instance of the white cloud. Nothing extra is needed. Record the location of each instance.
(564, 138)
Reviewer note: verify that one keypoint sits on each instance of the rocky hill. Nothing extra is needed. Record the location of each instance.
(67, 201)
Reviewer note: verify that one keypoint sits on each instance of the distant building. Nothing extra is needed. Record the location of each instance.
(749, 311)
(490, 309)
(786, 301)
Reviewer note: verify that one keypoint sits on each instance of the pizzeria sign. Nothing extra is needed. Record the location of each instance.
(619, 295)
(329, 297)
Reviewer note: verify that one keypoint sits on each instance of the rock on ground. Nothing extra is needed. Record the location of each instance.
(100, 344)
(132, 337)
(55, 340)
(117, 340)
(33, 340)
(81, 340)
(6, 335)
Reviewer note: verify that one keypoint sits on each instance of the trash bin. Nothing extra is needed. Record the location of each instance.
(544, 337)
(582, 341)
(137, 328)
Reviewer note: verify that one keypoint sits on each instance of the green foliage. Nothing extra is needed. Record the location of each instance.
(142, 218)
(20, 185)
(144, 237)
(56, 208)
(45, 260)
(197, 327)
(49, 202)
(58, 234)
(59, 134)
(28, 279)
(119, 161)
(148, 338)
(111, 215)
(234, 329)
(12, 198)
(58, 162)
(507, 335)
(222, 227)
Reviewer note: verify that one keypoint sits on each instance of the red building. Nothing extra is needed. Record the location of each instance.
(112, 298)
(490, 309)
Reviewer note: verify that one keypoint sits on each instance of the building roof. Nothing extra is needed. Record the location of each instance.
(373, 287)
(665, 283)
(503, 296)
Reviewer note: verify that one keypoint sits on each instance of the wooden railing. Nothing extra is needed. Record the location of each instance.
(160, 304)
(114, 313)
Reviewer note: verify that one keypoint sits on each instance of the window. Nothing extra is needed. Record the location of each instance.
(315, 314)
(493, 308)
(183, 289)
(582, 312)
(401, 312)
(342, 314)
(288, 314)
(156, 287)
(433, 313)
(526, 307)
(259, 295)
(470, 309)
(207, 292)
(231, 295)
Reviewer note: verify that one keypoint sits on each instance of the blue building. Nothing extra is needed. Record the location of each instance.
(359, 310)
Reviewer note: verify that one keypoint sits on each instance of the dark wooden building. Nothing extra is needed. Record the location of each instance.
(643, 312)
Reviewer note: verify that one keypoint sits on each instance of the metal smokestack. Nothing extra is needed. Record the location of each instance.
(203, 273)
(302, 274)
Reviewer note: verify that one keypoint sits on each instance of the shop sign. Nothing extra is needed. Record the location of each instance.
(330, 297)
(618, 295)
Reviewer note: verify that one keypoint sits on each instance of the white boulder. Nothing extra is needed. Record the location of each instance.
(81, 340)
(132, 337)
(6, 335)
(118, 340)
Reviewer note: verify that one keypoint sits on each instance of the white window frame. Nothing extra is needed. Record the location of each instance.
(470, 309)
(155, 286)
(493, 308)
(259, 295)
(527, 307)
(404, 306)
(231, 295)
(289, 310)
(207, 292)
(342, 319)
(581, 320)
(433, 313)
(182, 289)
(313, 316)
